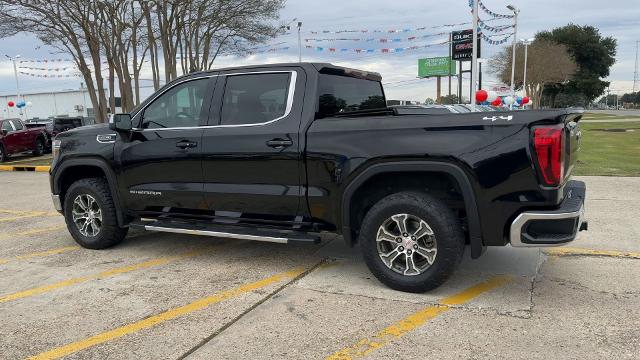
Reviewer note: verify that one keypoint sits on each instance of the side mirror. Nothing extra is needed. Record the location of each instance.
(120, 122)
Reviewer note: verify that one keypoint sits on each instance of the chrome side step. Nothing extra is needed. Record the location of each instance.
(218, 234)
(180, 226)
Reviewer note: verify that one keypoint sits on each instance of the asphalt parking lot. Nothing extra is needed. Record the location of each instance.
(167, 296)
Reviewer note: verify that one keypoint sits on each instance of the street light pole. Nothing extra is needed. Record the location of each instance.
(15, 73)
(299, 42)
(513, 51)
(526, 43)
(474, 57)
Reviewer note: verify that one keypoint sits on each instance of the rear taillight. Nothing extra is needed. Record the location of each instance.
(548, 144)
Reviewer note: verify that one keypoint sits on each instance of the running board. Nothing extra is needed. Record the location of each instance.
(233, 232)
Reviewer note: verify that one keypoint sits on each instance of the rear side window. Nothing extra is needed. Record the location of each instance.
(254, 98)
(17, 124)
(340, 94)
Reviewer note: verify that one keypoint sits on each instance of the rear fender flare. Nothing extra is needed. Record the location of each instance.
(471, 207)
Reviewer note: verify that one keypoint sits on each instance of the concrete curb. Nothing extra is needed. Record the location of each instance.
(24, 168)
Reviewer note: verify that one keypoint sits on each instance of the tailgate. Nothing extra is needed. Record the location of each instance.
(573, 135)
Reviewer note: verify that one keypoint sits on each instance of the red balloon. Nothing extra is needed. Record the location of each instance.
(11, 103)
(497, 101)
(481, 96)
(525, 100)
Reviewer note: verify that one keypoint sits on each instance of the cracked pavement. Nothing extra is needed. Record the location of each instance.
(170, 296)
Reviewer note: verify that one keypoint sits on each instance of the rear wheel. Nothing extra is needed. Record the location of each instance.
(39, 147)
(411, 241)
(91, 215)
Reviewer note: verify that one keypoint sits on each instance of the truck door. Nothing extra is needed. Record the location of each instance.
(251, 151)
(23, 135)
(10, 140)
(161, 160)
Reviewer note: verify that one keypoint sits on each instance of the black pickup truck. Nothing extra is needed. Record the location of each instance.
(283, 152)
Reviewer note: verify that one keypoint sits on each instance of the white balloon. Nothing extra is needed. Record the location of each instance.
(509, 100)
(492, 96)
(29, 103)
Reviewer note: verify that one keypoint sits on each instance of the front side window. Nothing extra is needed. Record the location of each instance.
(6, 126)
(17, 124)
(181, 106)
(254, 98)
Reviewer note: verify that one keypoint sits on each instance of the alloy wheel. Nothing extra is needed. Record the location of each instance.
(87, 215)
(406, 244)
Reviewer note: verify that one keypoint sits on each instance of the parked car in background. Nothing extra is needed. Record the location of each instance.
(16, 138)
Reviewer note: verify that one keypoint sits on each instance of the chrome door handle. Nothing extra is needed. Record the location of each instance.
(279, 143)
(186, 144)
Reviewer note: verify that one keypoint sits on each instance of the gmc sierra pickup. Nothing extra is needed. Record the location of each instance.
(283, 152)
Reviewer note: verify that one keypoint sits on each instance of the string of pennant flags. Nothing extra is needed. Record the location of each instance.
(47, 75)
(491, 13)
(488, 39)
(46, 69)
(388, 31)
(378, 40)
(374, 50)
(483, 25)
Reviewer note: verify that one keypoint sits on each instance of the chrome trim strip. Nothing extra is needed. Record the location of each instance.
(57, 204)
(520, 220)
(289, 106)
(218, 234)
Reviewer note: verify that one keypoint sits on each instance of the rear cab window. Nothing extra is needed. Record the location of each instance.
(342, 94)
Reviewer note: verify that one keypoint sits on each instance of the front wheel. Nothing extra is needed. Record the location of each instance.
(411, 241)
(91, 215)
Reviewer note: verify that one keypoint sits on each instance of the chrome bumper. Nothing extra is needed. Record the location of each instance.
(56, 202)
(552, 227)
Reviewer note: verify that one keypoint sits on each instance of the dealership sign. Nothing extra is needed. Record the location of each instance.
(462, 45)
(436, 66)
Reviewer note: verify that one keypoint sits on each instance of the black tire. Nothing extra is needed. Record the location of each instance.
(39, 147)
(3, 155)
(109, 233)
(446, 228)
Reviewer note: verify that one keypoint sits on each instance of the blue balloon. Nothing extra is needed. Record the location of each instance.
(519, 99)
(21, 104)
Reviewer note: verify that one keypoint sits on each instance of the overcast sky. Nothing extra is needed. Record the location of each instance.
(620, 19)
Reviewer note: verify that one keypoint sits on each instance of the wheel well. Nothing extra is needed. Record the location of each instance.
(440, 185)
(75, 173)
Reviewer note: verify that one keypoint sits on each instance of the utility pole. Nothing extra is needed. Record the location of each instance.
(299, 42)
(635, 73)
(513, 51)
(526, 43)
(474, 57)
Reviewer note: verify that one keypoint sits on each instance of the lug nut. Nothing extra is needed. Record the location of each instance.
(413, 238)
(405, 234)
(399, 240)
(400, 248)
(408, 252)
(415, 246)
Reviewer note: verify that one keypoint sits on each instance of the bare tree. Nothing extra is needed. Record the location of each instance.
(548, 63)
(121, 33)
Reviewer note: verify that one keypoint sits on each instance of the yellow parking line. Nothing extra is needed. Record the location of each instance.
(29, 215)
(37, 168)
(415, 320)
(101, 275)
(565, 251)
(165, 316)
(32, 232)
(41, 254)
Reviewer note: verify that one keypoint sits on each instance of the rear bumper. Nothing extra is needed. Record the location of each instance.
(552, 227)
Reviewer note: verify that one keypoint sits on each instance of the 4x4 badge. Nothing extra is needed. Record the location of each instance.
(494, 118)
